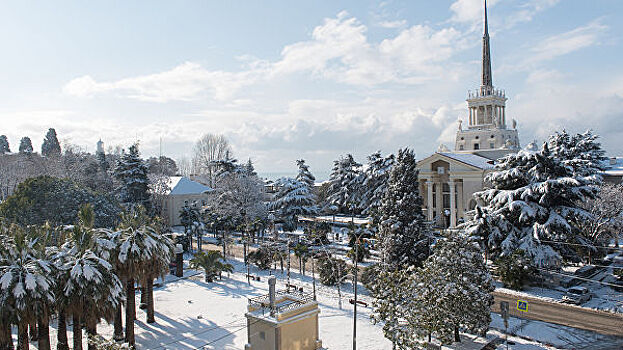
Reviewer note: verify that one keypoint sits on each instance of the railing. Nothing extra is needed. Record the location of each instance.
(485, 91)
(295, 300)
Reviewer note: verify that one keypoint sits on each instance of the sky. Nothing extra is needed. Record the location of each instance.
(285, 80)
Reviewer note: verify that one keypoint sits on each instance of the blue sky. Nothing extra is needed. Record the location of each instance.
(308, 79)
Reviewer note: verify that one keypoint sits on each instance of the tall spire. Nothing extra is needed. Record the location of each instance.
(487, 81)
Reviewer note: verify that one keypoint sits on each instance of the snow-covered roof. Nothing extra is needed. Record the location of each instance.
(184, 185)
(614, 166)
(470, 159)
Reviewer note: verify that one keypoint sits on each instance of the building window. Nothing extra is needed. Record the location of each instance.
(461, 147)
(492, 136)
(476, 146)
(477, 137)
(491, 145)
(462, 138)
(262, 335)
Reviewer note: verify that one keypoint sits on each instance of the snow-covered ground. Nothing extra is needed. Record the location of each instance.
(192, 314)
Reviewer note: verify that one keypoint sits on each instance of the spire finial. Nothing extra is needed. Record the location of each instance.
(487, 81)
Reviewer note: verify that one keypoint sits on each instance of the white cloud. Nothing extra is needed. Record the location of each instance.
(392, 24)
(565, 43)
(184, 82)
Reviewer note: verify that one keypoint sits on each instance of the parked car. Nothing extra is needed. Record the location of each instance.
(577, 295)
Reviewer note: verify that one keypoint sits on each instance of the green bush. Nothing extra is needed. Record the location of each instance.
(262, 258)
(514, 270)
(331, 270)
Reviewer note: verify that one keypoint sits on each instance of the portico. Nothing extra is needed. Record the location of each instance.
(448, 181)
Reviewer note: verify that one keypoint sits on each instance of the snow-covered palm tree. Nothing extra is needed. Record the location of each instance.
(143, 254)
(25, 283)
(91, 288)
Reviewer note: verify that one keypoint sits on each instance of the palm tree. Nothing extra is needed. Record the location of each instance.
(25, 282)
(211, 264)
(143, 254)
(91, 288)
(7, 312)
(301, 251)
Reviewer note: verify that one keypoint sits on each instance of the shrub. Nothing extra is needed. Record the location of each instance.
(514, 270)
(331, 270)
(262, 258)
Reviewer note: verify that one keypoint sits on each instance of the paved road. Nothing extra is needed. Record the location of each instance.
(558, 313)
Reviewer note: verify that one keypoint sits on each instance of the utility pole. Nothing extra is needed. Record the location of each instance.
(314, 275)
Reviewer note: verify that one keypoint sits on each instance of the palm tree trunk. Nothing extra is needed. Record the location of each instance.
(6, 341)
(32, 326)
(61, 333)
(130, 312)
(118, 332)
(456, 334)
(77, 330)
(150, 300)
(22, 336)
(91, 330)
(44, 331)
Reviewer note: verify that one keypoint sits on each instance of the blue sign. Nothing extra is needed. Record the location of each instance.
(522, 305)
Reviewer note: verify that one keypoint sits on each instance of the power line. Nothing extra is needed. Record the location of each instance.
(581, 278)
(226, 335)
(579, 245)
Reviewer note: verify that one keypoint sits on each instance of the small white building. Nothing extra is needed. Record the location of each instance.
(183, 192)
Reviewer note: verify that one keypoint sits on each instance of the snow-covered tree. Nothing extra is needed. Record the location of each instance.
(376, 176)
(403, 234)
(50, 146)
(534, 201)
(295, 197)
(131, 172)
(291, 200)
(25, 145)
(343, 189)
(4, 145)
(607, 213)
(90, 287)
(582, 152)
(208, 150)
(451, 292)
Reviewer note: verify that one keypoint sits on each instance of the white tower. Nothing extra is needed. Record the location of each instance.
(486, 134)
(100, 147)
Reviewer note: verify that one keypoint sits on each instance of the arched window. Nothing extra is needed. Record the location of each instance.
(472, 204)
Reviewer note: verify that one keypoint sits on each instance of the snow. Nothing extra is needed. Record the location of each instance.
(182, 185)
(470, 159)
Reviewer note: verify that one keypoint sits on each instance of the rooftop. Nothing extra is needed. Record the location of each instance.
(183, 185)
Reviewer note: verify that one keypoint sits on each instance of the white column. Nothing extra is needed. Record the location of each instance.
(452, 203)
(429, 199)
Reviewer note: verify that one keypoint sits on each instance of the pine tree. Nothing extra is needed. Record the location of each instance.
(50, 146)
(534, 201)
(343, 189)
(451, 291)
(403, 234)
(376, 176)
(293, 199)
(4, 145)
(25, 145)
(131, 172)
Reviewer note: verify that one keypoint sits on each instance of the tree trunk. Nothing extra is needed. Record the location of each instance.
(118, 332)
(61, 333)
(150, 300)
(6, 340)
(44, 331)
(22, 336)
(456, 334)
(77, 330)
(91, 330)
(130, 312)
(143, 304)
(32, 326)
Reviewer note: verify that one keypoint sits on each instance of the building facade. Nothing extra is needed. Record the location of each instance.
(449, 179)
